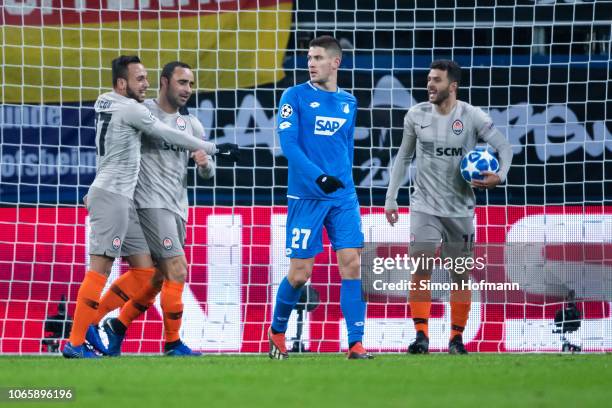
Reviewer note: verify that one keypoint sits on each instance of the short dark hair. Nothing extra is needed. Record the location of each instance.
(328, 42)
(169, 68)
(453, 70)
(120, 66)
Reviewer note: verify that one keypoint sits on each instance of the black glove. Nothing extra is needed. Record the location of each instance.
(329, 184)
(229, 151)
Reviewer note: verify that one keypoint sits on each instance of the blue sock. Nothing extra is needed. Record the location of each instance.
(353, 308)
(286, 298)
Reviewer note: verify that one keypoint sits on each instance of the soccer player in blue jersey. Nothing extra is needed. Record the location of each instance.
(316, 123)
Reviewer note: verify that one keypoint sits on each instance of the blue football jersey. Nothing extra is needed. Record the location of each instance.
(316, 130)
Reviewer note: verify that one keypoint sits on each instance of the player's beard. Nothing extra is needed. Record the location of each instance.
(131, 94)
(441, 96)
(175, 100)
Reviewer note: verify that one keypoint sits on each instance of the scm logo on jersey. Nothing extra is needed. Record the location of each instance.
(327, 126)
(449, 151)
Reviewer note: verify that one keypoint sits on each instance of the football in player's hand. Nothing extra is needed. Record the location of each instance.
(476, 161)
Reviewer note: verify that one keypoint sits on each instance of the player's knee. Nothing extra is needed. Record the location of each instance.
(350, 266)
(101, 264)
(299, 273)
(177, 269)
(158, 279)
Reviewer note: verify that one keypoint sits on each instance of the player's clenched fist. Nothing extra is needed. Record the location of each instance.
(200, 158)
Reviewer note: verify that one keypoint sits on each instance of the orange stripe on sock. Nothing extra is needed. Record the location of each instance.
(87, 303)
(461, 302)
(420, 304)
(172, 306)
(123, 289)
(138, 304)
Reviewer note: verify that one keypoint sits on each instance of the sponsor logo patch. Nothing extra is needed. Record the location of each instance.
(314, 104)
(180, 123)
(457, 127)
(284, 125)
(116, 243)
(167, 243)
(286, 110)
(288, 251)
(327, 126)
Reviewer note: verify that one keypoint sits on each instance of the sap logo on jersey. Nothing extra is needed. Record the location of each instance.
(326, 126)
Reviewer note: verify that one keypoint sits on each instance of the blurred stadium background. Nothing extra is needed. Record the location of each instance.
(540, 68)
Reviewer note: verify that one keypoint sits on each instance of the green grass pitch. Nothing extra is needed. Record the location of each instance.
(391, 380)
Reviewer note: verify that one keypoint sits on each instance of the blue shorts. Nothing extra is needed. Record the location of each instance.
(305, 221)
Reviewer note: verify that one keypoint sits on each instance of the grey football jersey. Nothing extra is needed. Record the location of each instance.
(120, 122)
(118, 142)
(440, 142)
(162, 181)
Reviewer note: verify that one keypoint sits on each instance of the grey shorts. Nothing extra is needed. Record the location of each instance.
(164, 231)
(454, 235)
(114, 228)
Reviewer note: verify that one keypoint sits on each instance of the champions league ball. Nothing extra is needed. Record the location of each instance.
(477, 160)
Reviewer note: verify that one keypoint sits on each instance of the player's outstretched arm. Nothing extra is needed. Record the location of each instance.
(141, 118)
(179, 138)
(398, 172)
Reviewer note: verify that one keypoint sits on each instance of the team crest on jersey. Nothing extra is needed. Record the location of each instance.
(326, 126)
(180, 123)
(286, 110)
(116, 243)
(314, 104)
(345, 107)
(457, 127)
(167, 243)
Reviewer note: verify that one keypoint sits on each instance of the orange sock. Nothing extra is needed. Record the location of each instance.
(420, 304)
(87, 305)
(138, 304)
(123, 289)
(460, 301)
(172, 306)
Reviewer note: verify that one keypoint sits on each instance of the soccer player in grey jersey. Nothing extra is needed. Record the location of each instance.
(441, 131)
(114, 227)
(162, 207)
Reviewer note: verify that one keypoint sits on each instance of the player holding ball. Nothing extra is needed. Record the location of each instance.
(441, 131)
